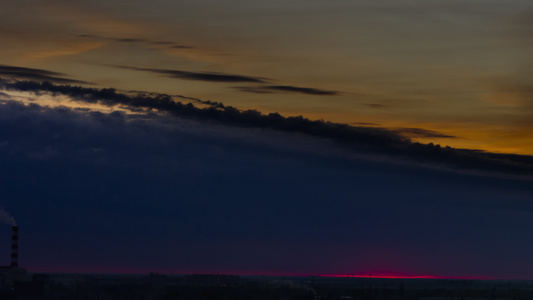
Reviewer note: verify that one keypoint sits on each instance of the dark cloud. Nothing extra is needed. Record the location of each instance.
(121, 40)
(421, 133)
(254, 90)
(163, 43)
(207, 76)
(90, 36)
(267, 200)
(36, 74)
(359, 139)
(375, 105)
(172, 45)
(126, 40)
(181, 47)
(218, 112)
(287, 89)
(193, 99)
(363, 124)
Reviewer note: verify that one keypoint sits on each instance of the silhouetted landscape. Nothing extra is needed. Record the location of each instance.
(233, 287)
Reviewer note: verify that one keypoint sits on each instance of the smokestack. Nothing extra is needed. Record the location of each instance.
(14, 246)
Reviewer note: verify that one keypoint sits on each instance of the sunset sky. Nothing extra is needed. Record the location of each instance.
(176, 189)
(461, 68)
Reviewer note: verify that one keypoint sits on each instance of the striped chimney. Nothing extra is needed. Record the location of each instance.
(14, 246)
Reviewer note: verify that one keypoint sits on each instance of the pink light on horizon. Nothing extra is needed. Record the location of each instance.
(398, 275)
(171, 271)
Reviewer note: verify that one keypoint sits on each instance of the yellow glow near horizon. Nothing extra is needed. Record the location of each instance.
(423, 66)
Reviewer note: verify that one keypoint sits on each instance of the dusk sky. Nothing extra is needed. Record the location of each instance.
(268, 137)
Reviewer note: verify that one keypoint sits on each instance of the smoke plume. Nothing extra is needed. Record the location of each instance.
(5, 217)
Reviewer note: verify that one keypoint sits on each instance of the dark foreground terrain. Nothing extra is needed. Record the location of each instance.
(231, 287)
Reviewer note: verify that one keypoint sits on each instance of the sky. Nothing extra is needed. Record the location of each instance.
(460, 68)
(280, 137)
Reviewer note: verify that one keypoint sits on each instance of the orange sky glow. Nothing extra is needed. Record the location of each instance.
(448, 67)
